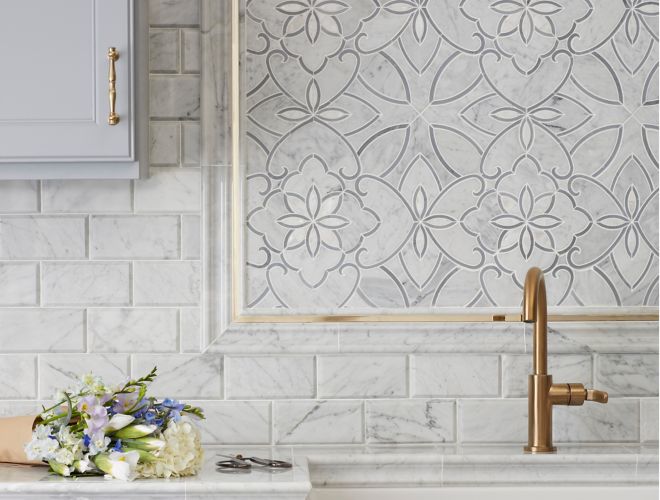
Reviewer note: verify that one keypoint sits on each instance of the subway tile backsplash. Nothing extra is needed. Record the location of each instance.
(108, 276)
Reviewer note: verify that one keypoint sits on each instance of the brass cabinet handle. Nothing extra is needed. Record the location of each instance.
(113, 55)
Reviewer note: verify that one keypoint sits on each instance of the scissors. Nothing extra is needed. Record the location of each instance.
(241, 462)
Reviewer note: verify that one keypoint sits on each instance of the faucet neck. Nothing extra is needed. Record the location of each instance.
(535, 310)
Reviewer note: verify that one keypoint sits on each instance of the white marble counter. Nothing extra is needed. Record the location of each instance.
(359, 466)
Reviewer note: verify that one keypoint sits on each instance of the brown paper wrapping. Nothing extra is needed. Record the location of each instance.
(15, 433)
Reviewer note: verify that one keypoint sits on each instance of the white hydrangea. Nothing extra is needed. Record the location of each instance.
(42, 446)
(182, 454)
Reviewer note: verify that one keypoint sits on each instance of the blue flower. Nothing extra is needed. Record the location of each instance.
(174, 408)
(86, 440)
(117, 446)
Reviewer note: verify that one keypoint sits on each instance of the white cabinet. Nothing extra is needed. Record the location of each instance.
(66, 66)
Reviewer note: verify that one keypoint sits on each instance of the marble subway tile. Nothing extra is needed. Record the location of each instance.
(267, 339)
(455, 375)
(614, 422)
(182, 376)
(191, 237)
(19, 284)
(216, 113)
(133, 330)
(164, 50)
(565, 368)
(492, 421)
(262, 377)
(362, 376)
(627, 374)
(174, 12)
(42, 330)
(86, 283)
(191, 144)
(235, 422)
(39, 237)
(19, 408)
(134, 237)
(18, 376)
(61, 370)
(441, 337)
(410, 421)
(318, 422)
(87, 196)
(164, 140)
(191, 49)
(174, 96)
(167, 283)
(649, 420)
(191, 329)
(169, 190)
(19, 196)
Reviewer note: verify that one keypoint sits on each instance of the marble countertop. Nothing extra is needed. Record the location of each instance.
(370, 466)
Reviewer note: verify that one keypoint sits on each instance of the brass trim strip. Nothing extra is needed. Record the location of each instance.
(237, 255)
(437, 318)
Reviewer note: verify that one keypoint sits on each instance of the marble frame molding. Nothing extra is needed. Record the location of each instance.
(221, 237)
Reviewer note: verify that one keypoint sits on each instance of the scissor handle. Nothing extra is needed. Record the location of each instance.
(233, 464)
(266, 462)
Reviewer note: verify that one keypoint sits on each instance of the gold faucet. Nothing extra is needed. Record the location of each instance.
(543, 394)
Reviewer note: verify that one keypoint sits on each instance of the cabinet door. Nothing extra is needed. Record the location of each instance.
(54, 85)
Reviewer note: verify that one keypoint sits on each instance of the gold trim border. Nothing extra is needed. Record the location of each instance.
(237, 255)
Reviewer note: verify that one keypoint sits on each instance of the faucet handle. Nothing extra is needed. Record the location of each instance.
(597, 396)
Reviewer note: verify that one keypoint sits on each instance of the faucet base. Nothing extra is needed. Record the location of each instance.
(540, 449)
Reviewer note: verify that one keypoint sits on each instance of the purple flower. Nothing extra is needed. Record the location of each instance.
(124, 402)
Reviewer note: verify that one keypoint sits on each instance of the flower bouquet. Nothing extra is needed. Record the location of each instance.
(119, 432)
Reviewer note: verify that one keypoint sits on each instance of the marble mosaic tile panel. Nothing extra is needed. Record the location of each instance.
(414, 154)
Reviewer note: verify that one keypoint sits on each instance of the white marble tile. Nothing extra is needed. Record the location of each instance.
(614, 422)
(59, 371)
(273, 339)
(191, 237)
(191, 329)
(87, 196)
(649, 420)
(134, 237)
(18, 376)
(163, 50)
(133, 330)
(362, 376)
(235, 422)
(18, 284)
(90, 283)
(410, 421)
(39, 237)
(19, 196)
(42, 330)
(166, 283)
(627, 374)
(164, 142)
(19, 408)
(455, 375)
(169, 190)
(191, 48)
(492, 421)
(564, 368)
(191, 144)
(174, 96)
(318, 422)
(182, 376)
(173, 12)
(439, 337)
(262, 377)
(216, 112)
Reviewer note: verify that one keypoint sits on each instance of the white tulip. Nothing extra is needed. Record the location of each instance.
(118, 421)
(118, 465)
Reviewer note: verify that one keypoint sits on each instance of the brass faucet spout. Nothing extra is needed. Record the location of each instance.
(543, 394)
